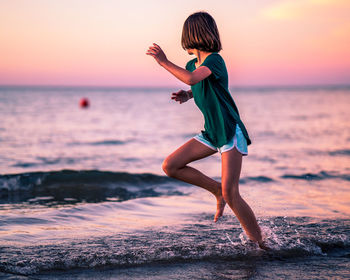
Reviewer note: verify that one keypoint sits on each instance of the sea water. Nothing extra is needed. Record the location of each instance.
(83, 195)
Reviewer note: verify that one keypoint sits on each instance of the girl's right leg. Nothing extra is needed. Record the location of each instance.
(175, 166)
(231, 169)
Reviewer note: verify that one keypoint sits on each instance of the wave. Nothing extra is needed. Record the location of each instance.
(260, 179)
(89, 186)
(70, 186)
(44, 161)
(288, 238)
(322, 175)
(341, 152)
(100, 143)
(333, 153)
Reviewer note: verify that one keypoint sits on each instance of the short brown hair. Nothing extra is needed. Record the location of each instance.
(200, 32)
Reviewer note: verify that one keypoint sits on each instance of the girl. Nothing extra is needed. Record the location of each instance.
(223, 129)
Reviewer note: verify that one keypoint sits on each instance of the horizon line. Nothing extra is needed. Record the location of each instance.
(270, 86)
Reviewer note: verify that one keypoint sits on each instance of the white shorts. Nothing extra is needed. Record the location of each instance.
(237, 141)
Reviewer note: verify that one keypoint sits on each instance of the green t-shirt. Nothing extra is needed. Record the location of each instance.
(213, 98)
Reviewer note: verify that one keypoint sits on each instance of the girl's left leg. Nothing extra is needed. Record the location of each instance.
(231, 169)
(176, 166)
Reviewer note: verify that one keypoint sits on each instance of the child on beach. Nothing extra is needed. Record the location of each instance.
(223, 129)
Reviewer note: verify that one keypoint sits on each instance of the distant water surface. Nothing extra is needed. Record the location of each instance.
(82, 193)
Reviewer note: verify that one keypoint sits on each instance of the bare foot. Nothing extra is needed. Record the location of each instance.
(220, 206)
(262, 245)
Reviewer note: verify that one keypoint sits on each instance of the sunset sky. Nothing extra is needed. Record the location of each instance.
(103, 42)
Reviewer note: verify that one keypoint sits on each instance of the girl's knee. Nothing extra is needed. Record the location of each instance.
(230, 193)
(169, 167)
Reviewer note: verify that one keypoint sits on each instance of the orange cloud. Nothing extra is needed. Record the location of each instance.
(301, 9)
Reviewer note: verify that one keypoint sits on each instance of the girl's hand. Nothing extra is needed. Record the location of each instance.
(181, 96)
(157, 53)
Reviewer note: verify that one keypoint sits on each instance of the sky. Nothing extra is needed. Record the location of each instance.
(104, 42)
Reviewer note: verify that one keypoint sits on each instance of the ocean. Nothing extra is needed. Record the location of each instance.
(83, 195)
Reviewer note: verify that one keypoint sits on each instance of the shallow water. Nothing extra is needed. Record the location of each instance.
(82, 193)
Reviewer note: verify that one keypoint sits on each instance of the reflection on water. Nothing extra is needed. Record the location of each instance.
(85, 189)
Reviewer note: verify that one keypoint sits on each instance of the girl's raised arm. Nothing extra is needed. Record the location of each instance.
(189, 78)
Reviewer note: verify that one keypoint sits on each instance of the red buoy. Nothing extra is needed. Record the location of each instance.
(84, 103)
